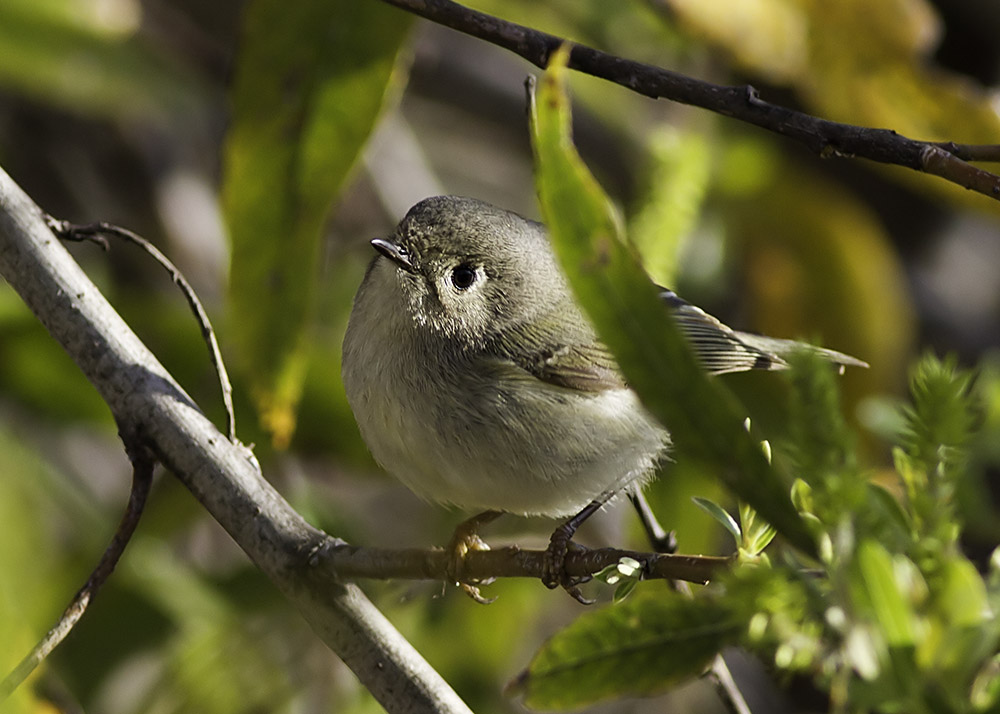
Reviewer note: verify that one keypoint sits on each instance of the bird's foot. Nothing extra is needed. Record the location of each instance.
(464, 540)
(554, 566)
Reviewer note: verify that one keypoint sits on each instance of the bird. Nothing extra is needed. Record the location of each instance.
(477, 380)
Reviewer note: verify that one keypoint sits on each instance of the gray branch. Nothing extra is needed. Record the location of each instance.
(150, 407)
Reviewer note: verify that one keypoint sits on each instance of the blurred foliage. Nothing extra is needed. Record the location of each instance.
(118, 110)
(856, 62)
(305, 98)
(892, 617)
(895, 619)
(84, 56)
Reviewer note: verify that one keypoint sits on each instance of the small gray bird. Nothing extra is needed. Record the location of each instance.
(477, 381)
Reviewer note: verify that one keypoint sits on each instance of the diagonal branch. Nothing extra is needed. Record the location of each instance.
(148, 404)
(826, 138)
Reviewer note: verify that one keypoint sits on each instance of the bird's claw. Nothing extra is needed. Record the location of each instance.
(464, 540)
(554, 566)
(473, 592)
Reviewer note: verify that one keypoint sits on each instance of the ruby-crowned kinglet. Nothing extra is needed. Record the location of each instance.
(477, 381)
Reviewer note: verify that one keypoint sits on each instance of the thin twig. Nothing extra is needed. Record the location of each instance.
(142, 477)
(972, 152)
(826, 138)
(723, 677)
(719, 670)
(96, 231)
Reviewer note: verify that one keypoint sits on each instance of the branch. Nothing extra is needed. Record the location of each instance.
(510, 562)
(146, 401)
(142, 477)
(826, 138)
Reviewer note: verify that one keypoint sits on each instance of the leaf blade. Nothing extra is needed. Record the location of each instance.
(630, 318)
(311, 84)
(638, 647)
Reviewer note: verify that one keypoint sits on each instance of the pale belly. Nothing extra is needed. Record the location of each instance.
(517, 445)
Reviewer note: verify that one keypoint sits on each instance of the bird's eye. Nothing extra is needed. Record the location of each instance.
(463, 276)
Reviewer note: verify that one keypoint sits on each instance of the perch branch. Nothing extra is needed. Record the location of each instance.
(824, 137)
(510, 562)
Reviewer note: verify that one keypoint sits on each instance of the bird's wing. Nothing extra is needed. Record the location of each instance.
(722, 349)
(570, 356)
(583, 367)
(585, 364)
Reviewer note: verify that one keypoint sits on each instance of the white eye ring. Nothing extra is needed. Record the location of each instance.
(463, 276)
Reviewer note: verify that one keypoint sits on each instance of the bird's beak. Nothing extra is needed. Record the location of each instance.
(394, 252)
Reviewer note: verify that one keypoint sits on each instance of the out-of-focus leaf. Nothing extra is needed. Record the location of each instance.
(886, 507)
(768, 36)
(215, 661)
(940, 423)
(85, 57)
(962, 597)
(637, 647)
(855, 61)
(819, 265)
(986, 686)
(38, 372)
(630, 317)
(312, 78)
(877, 592)
(967, 627)
(821, 445)
(50, 533)
(678, 180)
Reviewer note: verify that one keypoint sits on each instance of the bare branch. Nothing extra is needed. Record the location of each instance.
(826, 138)
(142, 477)
(972, 152)
(147, 402)
(510, 562)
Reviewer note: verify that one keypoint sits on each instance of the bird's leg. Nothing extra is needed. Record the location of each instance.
(662, 541)
(464, 539)
(554, 573)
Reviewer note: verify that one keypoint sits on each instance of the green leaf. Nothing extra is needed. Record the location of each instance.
(677, 186)
(962, 596)
(892, 519)
(935, 442)
(624, 305)
(986, 687)
(757, 533)
(720, 514)
(638, 647)
(967, 624)
(312, 78)
(875, 585)
(940, 422)
(802, 497)
(821, 442)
